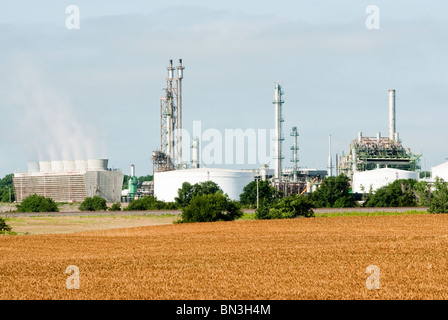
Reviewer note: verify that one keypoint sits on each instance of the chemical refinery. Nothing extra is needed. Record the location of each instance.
(170, 172)
(370, 163)
(373, 162)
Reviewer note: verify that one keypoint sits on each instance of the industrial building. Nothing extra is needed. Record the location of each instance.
(369, 156)
(365, 181)
(69, 180)
(232, 182)
(170, 172)
(440, 171)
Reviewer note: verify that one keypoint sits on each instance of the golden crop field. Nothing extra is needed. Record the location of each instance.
(305, 258)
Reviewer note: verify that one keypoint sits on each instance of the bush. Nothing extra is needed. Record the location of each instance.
(334, 192)
(3, 226)
(188, 191)
(211, 207)
(265, 191)
(400, 193)
(146, 203)
(288, 207)
(115, 207)
(95, 203)
(439, 197)
(36, 203)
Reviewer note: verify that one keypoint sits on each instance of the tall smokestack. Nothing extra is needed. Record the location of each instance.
(278, 131)
(392, 114)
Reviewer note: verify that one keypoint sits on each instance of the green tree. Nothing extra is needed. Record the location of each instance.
(188, 191)
(265, 191)
(95, 203)
(423, 193)
(115, 207)
(287, 207)
(439, 197)
(37, 203)
(184, 194)
(7, 187)
(4, 226)
(399, 193)
(211, 207)
(334, 192)
(146, 203)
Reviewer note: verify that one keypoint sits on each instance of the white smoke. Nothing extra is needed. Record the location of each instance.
(48, 126)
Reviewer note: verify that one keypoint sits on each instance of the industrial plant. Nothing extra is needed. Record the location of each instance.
(170, 172)
(370, 163)
(373, 162)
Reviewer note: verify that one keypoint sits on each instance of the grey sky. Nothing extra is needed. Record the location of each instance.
(95, 91)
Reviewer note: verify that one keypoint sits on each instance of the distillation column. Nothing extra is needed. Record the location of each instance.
(295, 157)
(278, 131)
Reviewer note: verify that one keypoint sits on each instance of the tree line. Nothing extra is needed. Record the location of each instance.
(206, 201)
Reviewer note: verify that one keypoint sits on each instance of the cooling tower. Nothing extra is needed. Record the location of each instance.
(57, 166)
(69, 166)
(97, 164)
(33, 167)
(45, 166)
(81, 165)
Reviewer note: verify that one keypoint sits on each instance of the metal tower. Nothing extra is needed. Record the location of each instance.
(170, 154)
(278, 131)
(295, 148)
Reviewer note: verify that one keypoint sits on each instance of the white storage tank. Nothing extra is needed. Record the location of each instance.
(363, 180)
(97, 164)
(232, 182)
(440, 171)
(45, 166)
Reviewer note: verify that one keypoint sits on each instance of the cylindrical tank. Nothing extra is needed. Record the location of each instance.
(33, 167)
(81, 165)
(132, 182)
(230, 181)
(69, 166)
(195, 153)
(57, 166)
(97, 164)
(45, 166)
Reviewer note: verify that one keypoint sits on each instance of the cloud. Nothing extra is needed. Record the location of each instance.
(48, 127)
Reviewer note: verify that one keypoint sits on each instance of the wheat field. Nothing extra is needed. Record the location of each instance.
(305, 258)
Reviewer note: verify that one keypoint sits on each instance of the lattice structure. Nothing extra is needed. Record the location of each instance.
(171, 120)
(367, 153)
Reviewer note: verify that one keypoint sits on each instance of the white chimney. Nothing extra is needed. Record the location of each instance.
(392, 114)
